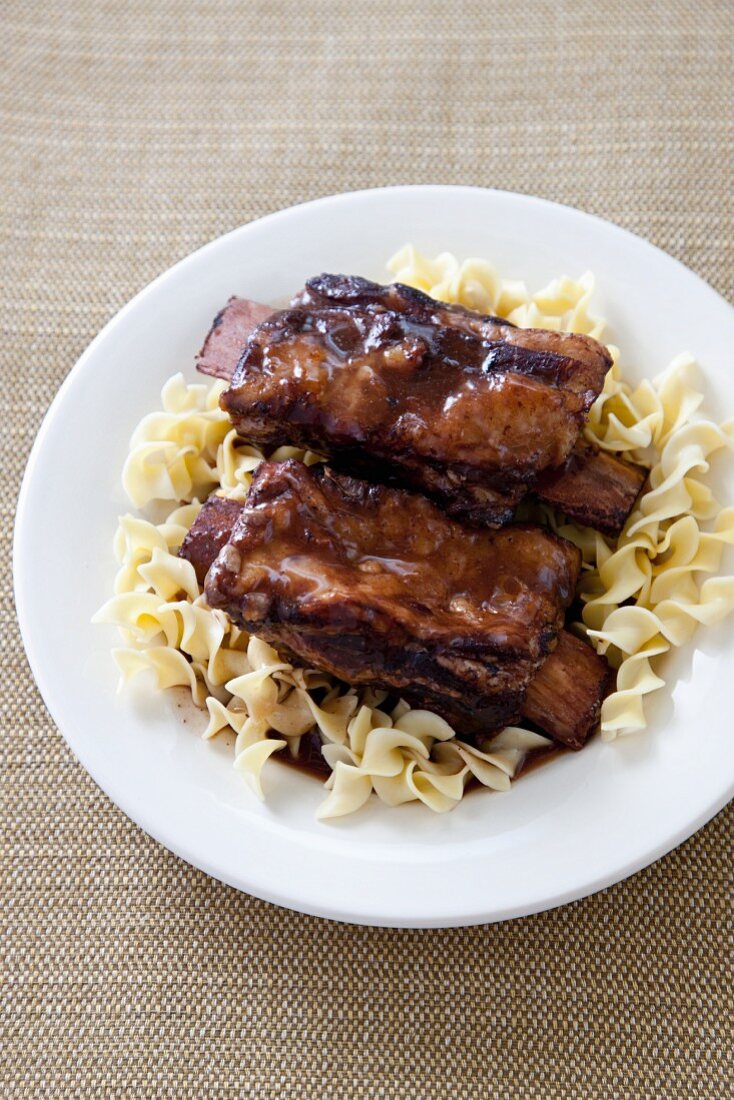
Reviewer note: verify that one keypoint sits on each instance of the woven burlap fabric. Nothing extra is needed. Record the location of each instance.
(131, 133)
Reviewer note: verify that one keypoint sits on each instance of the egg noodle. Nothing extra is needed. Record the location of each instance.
(642, 594)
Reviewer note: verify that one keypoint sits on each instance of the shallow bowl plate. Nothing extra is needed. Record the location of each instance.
(564, 831)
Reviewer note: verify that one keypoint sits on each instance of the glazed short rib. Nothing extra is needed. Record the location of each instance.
(377, 586)
(400, 389)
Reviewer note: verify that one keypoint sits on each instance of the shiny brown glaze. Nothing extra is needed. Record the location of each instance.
(397, 387)
(377, 586)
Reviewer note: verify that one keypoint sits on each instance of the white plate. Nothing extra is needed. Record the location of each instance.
(578, 825)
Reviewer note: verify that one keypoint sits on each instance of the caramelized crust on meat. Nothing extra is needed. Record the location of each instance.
(378, 587)
(399, 388)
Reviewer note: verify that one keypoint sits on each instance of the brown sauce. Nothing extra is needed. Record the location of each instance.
(539, 757)
(309, 757)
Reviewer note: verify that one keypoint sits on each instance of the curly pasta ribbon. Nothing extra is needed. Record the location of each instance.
(644, 595)
(562, 305)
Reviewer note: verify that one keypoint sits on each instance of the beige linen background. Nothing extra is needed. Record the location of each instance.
(132, 132)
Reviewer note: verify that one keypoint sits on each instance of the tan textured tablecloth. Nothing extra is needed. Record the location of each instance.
(133, 132)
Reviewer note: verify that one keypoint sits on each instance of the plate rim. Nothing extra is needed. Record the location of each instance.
(142, 820)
